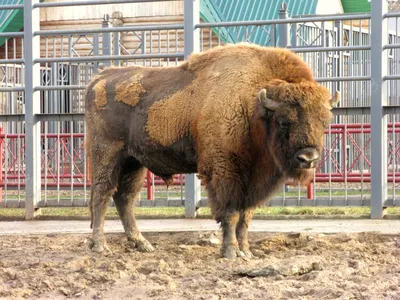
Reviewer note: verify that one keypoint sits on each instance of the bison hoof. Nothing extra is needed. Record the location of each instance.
(232, 252)
(248, 254)
(142, 245)
(99, 246)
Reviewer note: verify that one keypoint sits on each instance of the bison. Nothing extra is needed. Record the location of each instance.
(246, 118)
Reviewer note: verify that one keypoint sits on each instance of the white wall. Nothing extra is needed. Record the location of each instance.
(155, 9)
(329, 7)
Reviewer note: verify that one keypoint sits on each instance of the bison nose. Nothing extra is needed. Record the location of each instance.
(307, 158)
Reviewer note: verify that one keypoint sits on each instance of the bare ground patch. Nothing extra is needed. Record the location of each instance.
(187, 266)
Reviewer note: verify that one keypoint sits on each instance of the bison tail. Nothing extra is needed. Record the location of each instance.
(87, 148)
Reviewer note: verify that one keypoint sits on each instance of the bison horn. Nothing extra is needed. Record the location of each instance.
(267, 102)
(335, 100)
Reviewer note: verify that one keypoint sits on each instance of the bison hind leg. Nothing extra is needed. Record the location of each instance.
(103, 187)
(130, 184)
(104, 161)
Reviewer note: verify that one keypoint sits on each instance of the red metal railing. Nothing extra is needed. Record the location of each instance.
(64, 165)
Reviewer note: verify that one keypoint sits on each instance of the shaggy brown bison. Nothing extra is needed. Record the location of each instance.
(244, 117)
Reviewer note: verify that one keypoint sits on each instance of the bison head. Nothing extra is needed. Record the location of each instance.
(296, 116)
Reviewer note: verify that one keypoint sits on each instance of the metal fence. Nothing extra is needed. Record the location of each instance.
(43, 75)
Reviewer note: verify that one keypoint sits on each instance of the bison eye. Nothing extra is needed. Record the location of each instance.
(284, 124)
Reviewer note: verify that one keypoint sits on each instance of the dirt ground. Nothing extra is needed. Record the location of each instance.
(187, 266)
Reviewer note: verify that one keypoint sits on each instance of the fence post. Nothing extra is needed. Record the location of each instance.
(191, 44)
(106, 39)
(379, 36)
(149, 182)
(284, 28)
(32, 108)
(1, 165)
(116, 50)
(117, 22)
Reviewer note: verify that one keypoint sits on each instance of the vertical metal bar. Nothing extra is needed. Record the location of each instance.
(46, 153)
(106, 39)
(378, 101)
(95, 51)
(58, 158)
(153, 185)
(116, 50)
(19, 169)
(362, 163)
(283, 28)
(330, 149)
(201, 39)
(144, 45)
(71, 167)
(32, 107)
(176, 46)
(85, 170)
(284, 195)
(294, 35)
(6, 164)
(191, 44)
(159, 47)
(210, 42)
(168, 47)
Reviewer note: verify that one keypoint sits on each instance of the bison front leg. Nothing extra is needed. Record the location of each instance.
(242, 230)
(230, 246)
(224, 199)
(130, 184)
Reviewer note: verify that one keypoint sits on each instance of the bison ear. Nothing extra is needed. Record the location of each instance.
(267, 102)
(335, 100)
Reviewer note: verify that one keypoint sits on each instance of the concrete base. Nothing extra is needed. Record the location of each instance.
(175, 225)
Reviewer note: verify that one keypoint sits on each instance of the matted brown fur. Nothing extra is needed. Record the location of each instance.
(169, 120)
(129, 91)
(101, 93)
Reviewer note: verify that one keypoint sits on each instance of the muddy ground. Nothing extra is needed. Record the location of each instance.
(187, 266)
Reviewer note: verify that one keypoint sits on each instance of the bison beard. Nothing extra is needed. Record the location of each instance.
(245, 118)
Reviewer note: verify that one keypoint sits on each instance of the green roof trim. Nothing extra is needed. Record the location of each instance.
(210, 11)
(356, 6)
(245, 10)
(11, 20)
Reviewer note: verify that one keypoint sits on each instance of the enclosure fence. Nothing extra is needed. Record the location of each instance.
(43, 75)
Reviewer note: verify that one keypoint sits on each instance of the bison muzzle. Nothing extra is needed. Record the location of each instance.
(246, 118)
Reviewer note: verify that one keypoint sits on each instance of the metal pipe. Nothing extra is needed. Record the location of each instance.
(107, 58)
(391, 77)
(58, 87)
(328, 49)
(12, 61)
(391, 46)
(283, 21)
(11, 6)
(11, 34)
(345, 78)
(94, 2)
(391, 15)
(109, 29)
(12, 89)
(149, 184)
